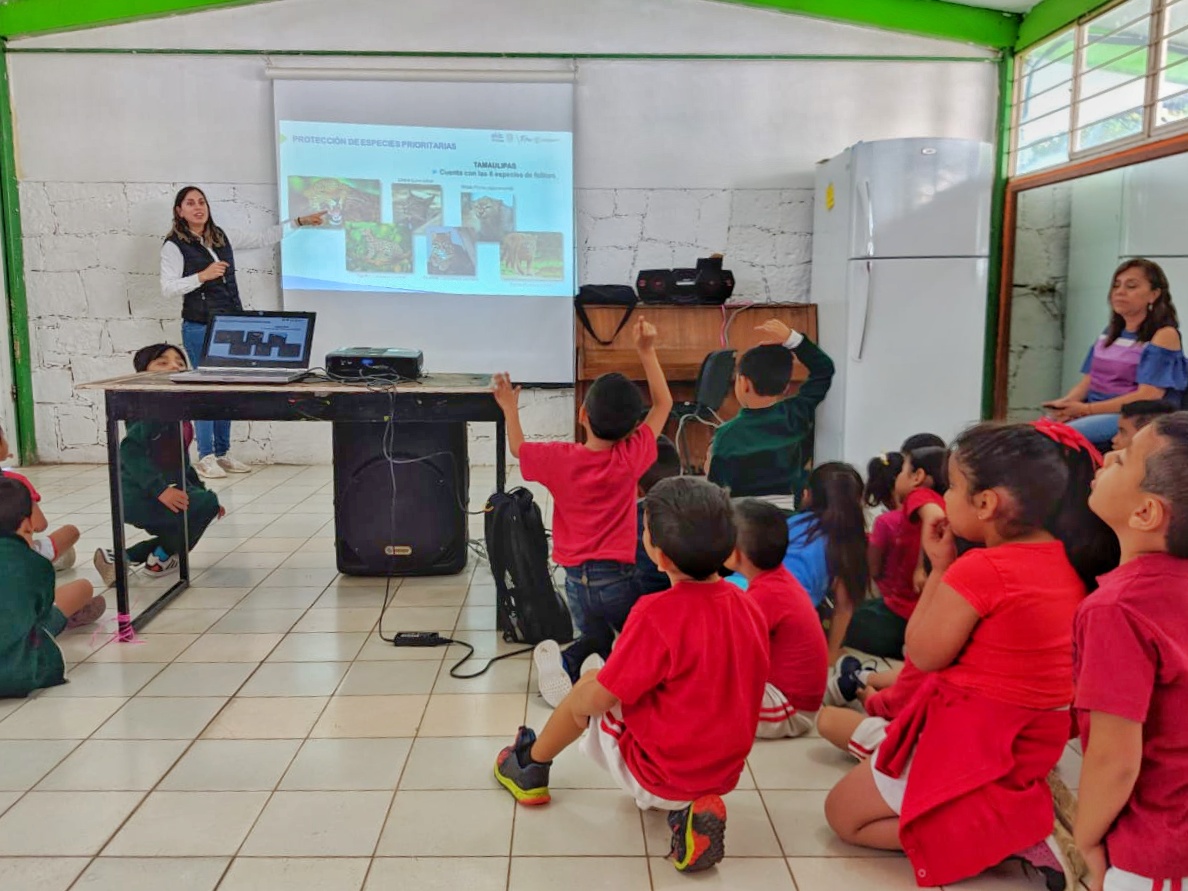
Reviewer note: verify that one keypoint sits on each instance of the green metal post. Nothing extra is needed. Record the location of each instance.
(1006, 72)
(14, 275)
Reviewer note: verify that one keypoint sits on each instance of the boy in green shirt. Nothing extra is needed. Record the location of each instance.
(764, 449)
(32, 612)
(158, 482)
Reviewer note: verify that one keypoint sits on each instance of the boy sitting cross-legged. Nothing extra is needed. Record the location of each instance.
(672, 714)
(799, 653)
(594, 485)
(32, 611)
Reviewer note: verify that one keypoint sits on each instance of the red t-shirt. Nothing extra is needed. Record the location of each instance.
(1131, 651)
(33, 493)
(1021, 650)
(799, 652)
(890, 701)
(594, 494)
(903, 553)
(689, 671)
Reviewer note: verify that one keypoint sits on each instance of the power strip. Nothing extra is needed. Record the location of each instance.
(419, 639)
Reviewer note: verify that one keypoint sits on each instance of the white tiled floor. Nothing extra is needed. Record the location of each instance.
(262, 737)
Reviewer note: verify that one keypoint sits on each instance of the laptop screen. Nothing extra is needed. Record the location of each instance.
(259, 340)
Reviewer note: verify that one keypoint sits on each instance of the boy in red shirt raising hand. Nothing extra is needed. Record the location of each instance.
(594, 511)
(1130, 657)
(672, 715)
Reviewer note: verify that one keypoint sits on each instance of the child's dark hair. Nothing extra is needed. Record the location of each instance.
(934, 461)
(668, 464)
(835, 503)
(922, 441)
(1164, 476)
(768, 367)
(16, 504)
(154, 351)
(692, 522)
(880, 479)
(1144, 411)
(1048, 484)
(614, 406)
(762, 532)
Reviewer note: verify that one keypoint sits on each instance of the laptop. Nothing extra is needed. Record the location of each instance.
(253, 347)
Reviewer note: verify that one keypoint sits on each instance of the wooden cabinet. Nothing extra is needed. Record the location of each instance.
(686, 334)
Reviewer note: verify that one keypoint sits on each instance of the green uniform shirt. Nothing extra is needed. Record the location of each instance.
(764, 451)
(29, 656)
(150, 461)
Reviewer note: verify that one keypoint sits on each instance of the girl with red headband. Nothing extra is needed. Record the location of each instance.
(960, 782)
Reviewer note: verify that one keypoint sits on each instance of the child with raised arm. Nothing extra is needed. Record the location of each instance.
(672, 714)
(960, 781)
(32, 612)
(799, 654)
(58, 546)
(594, 487)
(1130, 642)
(765, 448)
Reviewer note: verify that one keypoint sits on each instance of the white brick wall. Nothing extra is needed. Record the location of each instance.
(1039, 293)
(91, 263)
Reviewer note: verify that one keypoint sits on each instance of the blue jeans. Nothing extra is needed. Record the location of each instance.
(600, 595)
(1098, 429)
(214, 437)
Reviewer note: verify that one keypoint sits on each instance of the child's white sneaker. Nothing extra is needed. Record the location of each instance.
(230, 465)
(155, 565)
(593, 662)
(208, 468)
(551, 676)
(65, 560)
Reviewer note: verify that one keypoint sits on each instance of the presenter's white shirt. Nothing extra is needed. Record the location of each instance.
(175, 285)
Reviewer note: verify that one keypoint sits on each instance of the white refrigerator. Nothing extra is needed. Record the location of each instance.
(901, 235)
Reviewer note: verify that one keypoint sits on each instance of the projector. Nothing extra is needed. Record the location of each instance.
(357, 363)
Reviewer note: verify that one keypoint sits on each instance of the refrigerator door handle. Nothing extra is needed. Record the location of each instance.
(870, 221)
(862, 312)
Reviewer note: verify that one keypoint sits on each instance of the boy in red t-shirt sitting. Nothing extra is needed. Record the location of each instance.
(1130, 645)
(594, 486)
(672, 714)
(799, 652)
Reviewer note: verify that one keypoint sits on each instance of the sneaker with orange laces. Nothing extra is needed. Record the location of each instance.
(698, 834)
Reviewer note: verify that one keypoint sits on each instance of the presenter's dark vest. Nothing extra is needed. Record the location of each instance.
(216, 296)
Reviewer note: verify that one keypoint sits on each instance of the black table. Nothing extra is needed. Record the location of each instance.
(153, 397)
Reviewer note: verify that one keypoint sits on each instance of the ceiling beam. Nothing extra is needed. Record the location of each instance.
(1049, 16)
(24, 18)
(926, 18)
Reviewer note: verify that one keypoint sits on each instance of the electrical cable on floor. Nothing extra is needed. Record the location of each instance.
(425, 638)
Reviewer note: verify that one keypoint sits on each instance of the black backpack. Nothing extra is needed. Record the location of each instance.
(528, 608)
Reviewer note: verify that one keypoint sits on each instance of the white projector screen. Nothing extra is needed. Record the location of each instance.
(449, 225)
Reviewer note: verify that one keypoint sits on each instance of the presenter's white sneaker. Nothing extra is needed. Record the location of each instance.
(208, 468)
(551, 676)
(230, 465)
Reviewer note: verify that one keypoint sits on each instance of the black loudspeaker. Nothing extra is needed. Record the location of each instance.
(427, 473)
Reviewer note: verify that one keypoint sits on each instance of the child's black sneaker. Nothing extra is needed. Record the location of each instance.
(844, 684)
(698, 834)
(525, 779)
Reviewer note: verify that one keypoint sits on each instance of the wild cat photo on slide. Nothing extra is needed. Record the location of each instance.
(417, 206)
(342, 200)
(452, 251)
(532, 255)
(491, 213)
(379, 247)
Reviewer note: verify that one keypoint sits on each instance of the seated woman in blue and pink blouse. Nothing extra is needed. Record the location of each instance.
(1139, 356)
